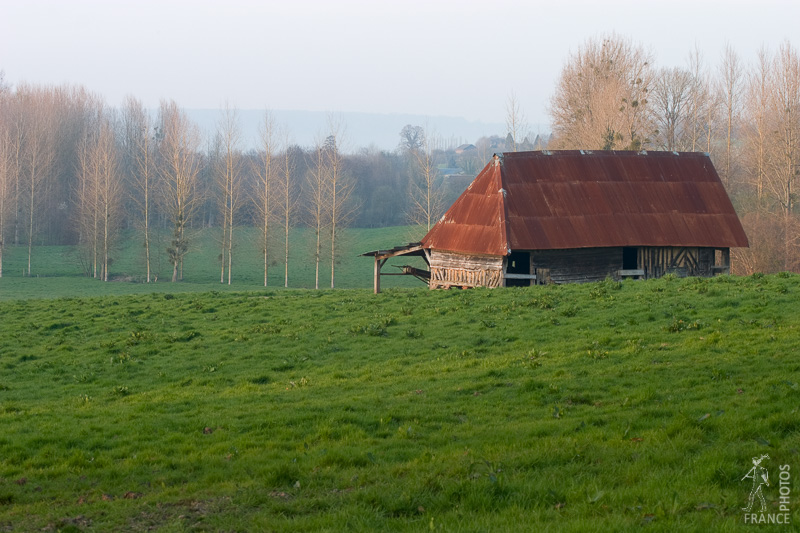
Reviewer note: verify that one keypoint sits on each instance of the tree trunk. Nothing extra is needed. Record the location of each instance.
(30, 225)
(230, 249)
(316, 259)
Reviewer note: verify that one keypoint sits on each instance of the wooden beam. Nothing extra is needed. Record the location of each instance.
(377, 283)
(520, 276)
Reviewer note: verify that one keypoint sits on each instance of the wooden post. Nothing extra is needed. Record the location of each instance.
(378, 265)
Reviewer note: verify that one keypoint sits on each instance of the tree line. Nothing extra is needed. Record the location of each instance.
(612, 96)
(75, 171)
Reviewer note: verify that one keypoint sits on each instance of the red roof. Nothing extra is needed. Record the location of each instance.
(572, 199)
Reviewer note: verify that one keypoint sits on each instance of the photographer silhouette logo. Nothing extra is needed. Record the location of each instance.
(760, 476)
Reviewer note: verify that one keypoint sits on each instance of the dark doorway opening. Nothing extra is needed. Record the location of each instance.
(629, 259)
(518, 263)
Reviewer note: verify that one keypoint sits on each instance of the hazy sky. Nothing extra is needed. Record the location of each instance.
(432, 57)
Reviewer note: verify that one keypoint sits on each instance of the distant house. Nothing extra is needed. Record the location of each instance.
(466, 149)
(577, 216)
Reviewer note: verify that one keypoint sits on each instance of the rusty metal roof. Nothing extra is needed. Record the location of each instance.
(575, 199)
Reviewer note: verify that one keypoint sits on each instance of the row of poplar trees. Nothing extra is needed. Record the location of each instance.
(73, 170)
(612, 96)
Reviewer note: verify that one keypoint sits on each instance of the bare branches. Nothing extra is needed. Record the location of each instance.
(317, 208)
(730, 84)
(670, 99)
(6, 169)
(264, 194)
(229, 183)
(139, 155)
(516, 123)
(427, 199)
(602, 95)
(339, 188)
(288, 201)
(179, 140)
(38, 152)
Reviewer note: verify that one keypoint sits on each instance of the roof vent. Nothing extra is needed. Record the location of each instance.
(503, 192)
(547, 152)
(676, 153)
(643, 152)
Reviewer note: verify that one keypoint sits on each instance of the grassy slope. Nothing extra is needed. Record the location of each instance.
(572, 408)
(57, 270)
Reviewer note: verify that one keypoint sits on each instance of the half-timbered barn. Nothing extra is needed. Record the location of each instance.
(577, 216)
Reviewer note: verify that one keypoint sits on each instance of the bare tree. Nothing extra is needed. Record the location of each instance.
(731, 94)
(288, 202)
(340, 188)
(427, 199)
(711, 110)
(98, 189)
(5, 161)
(317, 207)
(516, 124)
(229, 183)
(87, 189)
(697, 100)
(670, 96)
(785, 168)
(38, 153)
(601, 99)
(16, 124)
(411, 137)
(757, 132)
(110, 189)
(138, 143)
(5, 172)
(785, 111)
(264, 193)
(178, 167)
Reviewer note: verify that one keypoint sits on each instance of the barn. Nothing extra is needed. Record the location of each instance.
(578, 216)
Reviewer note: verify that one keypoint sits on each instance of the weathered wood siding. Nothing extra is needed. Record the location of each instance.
(578, 265)
(450, 269)
(596, 264)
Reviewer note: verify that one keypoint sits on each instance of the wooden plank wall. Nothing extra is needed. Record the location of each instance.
(449, 269)
(578, 265)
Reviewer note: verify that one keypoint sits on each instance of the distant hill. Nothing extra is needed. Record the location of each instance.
(362, 129)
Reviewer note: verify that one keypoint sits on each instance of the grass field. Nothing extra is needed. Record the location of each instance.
(57, 270)
(601, 407)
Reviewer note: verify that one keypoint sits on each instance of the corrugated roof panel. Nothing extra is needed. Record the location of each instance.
(567, 199)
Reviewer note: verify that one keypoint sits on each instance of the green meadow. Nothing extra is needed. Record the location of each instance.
(199, 407)
(59, 270)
